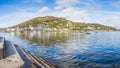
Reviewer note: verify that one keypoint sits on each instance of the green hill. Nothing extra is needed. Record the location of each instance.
(47, 22)
(61, 23)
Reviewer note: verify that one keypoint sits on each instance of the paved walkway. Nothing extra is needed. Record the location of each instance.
(11, 58)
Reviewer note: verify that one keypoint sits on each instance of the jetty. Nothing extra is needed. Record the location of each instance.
(13, 56)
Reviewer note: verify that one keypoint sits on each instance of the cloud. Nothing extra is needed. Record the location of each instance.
(2, 24)
(67, 2)
(43, 9)
(61, 4)
(58, 8)
(68, 9)
(108, 12)
(91, 5)
(74, 14)
(23, 15)
(15, 18)
(87, 4)
(116, 4)
(111, 20)
(3, 17)
(28, 1)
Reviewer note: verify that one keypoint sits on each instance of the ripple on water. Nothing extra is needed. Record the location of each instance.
(72, 49)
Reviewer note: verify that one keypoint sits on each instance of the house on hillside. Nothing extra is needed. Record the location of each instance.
(90, 28)
(31, 27)
(12, 29)
(8, 29)
(26, 28)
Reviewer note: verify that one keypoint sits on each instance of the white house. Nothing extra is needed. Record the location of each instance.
(12, 29)
(89, 27)
(7, 29)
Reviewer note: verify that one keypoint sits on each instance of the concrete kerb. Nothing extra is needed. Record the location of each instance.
(13, 61)
(2, 43)
(1, 47)
(16, 56)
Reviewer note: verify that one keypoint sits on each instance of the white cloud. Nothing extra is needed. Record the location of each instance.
(15, 18)
(43, 9)
(2, 24)
(111, 20)
(23, 15)
(37, 1)
(58, 8)
(62, 4)
(108, 12)
(66, 9)
(88, 4)
(3, 17)
(67, 2)
(74, 14)
(116, 4)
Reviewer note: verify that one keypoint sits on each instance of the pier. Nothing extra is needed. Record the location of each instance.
(13, 56)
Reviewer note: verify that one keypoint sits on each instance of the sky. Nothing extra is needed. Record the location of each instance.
(106, 12)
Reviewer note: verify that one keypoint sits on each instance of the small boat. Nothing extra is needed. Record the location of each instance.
(87, 33)
(21, 31)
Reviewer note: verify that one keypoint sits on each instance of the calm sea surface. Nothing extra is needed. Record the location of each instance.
(72, 49)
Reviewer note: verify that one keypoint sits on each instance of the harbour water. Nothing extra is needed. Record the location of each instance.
(71, 49)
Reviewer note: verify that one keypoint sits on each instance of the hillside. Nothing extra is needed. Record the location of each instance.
(99, 26)
(47, 22)
(61, 23)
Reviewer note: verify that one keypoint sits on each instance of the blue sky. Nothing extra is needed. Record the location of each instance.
(105, 12)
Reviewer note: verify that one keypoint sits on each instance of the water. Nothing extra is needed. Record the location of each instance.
(72, 49)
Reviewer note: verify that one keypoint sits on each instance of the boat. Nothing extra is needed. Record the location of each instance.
(87, 33)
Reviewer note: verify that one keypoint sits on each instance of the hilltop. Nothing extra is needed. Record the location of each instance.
(47, 21)
(61, 23)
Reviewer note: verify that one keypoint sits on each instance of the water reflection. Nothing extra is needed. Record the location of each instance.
(45, 38)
